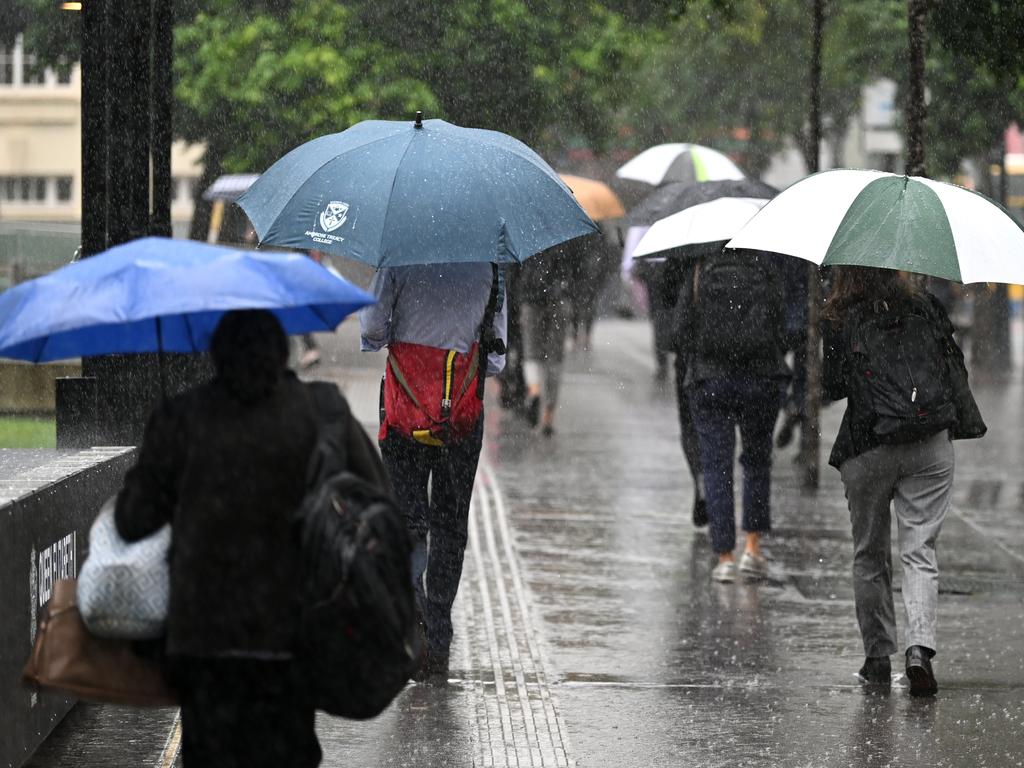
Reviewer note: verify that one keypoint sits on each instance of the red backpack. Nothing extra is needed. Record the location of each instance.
(431, 395)
(435, 396)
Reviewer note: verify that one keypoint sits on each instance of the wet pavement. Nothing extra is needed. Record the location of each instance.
(588, 631)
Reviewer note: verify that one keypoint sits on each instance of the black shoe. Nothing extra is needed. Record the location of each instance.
(533, 411)
(919, 671)
(548, 430)
(700, 512)
(435, 671)
(433, 668)
(876, 671)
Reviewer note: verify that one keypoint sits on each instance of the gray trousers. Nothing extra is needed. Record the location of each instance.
(916, 480)
(544, 328)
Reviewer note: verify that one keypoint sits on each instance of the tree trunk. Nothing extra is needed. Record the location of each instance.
(917, 13)
(990, 346)
(810, 433)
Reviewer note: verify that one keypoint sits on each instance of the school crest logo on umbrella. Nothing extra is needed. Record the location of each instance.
(333, 216)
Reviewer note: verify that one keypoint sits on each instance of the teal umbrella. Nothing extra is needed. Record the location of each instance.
(907, 223)
(401, 193)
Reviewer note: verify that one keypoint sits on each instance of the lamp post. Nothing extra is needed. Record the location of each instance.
(126, 192)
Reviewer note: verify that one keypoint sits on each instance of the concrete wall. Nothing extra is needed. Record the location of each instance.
(27, 388)
(48, 500)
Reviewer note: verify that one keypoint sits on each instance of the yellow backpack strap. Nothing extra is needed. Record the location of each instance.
(449, 375)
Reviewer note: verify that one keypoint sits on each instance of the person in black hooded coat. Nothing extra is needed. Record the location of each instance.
(225, 464)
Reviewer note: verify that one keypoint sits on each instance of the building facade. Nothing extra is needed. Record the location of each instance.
(41, 147)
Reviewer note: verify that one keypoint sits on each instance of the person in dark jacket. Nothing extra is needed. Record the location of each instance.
(731, 385)
(545, 315)
(677, 286)
(225, 464)
(912, 479)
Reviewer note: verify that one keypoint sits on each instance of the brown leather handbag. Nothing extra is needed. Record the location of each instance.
(66, 657)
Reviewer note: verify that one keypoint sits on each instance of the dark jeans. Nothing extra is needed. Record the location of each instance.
(718, 406)
(433, 486)
(243, 713)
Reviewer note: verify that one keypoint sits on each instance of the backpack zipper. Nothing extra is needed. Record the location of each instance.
(913, 384)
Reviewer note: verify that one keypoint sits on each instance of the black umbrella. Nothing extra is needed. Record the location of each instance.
(677, 196)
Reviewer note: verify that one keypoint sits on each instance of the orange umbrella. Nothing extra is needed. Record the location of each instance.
(596, 197)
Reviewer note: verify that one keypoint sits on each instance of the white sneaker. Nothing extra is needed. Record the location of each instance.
(753, 565)
(724, 572)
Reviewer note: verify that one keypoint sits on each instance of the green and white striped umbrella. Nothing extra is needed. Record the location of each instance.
(689, 163)
(875, 219)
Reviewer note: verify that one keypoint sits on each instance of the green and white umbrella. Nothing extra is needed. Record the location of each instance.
(689, 163)
(875, 219)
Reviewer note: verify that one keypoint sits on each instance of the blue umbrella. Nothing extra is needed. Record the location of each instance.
(400, 193)
(163, 295)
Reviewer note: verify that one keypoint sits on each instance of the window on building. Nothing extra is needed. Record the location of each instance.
(63, 189)
(9, 186)
(64, 74)
(6, 65)
(31, 72)
(182, 189)
(39, 183)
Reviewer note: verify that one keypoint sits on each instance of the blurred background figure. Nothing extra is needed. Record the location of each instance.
(544, 286)
(794, 277)
(310, 349)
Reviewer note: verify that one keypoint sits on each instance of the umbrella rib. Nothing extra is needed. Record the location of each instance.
(394, 183)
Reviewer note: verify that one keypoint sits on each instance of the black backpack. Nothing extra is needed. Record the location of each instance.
(900, 385)
(740, 308)
(359, 639)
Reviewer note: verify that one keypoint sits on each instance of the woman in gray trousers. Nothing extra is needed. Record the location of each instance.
(913, 479)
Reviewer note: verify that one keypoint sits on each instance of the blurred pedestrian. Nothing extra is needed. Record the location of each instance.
(444, 326)
(731, 329)
(794, 276)
(651, 274)
(310, 349)
(591, 269)
(545, 313)
(677, 285)
(889, 350)
(225, 464)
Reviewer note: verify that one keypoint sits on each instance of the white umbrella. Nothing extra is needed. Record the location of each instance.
(633, 237)
(875, 219)
(691, 163)
(703, 228)
(230, 186)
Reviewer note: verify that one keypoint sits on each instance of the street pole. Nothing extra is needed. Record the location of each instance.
(810, 433)
(917, 13)
(126, 190)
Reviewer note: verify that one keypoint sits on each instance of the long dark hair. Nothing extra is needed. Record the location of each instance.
(852, 285)
(250, 352)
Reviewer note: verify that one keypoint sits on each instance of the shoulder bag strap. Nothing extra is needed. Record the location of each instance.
(488, 342)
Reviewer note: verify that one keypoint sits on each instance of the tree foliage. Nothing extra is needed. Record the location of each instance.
(254, 79)
(254, 83)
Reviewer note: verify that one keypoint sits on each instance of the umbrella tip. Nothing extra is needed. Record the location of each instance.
(419, 120)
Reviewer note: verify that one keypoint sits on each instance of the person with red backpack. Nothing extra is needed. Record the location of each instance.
(444, 326)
